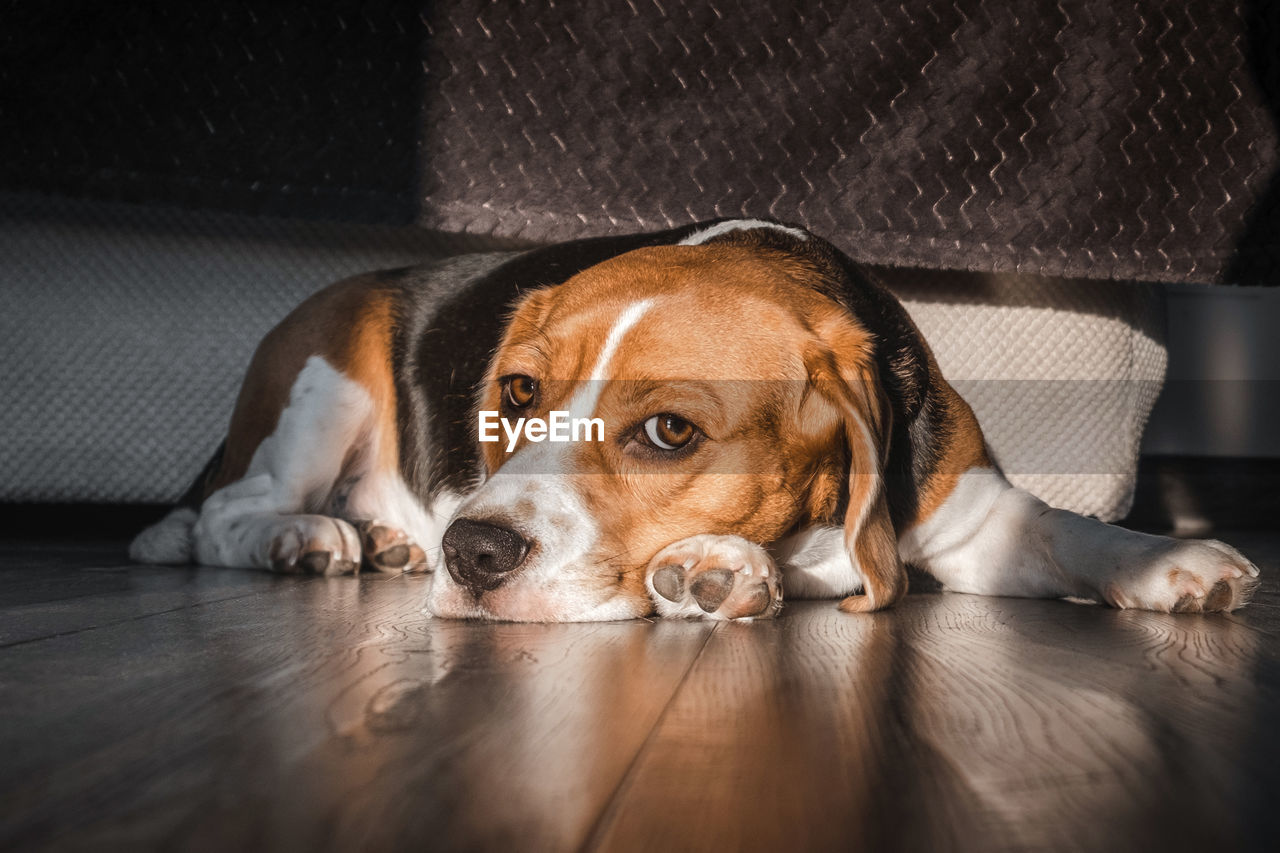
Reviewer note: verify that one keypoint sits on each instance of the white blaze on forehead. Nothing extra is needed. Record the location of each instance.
(699, 237)
(583, 404)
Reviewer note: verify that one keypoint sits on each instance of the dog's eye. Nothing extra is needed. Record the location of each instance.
(669, 432)
(520, 390)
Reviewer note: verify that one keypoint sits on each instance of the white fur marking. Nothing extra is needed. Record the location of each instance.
(700, 237)
(292, 472)
(815, 564)
(583, 404)
(292, 493)
(628, 318)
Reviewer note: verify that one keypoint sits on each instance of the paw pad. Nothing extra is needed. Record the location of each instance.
(389, 549)
(711, 588)
(717, 577)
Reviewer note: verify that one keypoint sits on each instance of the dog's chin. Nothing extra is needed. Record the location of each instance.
(517, 602)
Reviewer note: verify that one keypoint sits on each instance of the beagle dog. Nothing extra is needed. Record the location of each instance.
(756, 406)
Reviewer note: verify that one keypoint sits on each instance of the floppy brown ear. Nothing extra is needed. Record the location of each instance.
(843, 374)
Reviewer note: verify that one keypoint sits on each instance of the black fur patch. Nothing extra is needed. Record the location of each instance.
(194, 496)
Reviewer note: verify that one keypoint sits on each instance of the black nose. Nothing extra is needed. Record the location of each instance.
(480, 555)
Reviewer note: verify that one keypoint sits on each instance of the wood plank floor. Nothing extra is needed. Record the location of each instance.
(200, 709)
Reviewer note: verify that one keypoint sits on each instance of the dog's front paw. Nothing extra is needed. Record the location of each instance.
(315, 544)
(1200, 576)
(714, 577)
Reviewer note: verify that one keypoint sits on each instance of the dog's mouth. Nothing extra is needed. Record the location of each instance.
(524, 603)
(541, 590)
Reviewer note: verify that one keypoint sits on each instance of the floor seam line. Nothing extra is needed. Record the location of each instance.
(50, 601)
(116, 622)
(590, 842)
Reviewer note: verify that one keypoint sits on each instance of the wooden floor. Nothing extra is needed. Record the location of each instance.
(224, 710)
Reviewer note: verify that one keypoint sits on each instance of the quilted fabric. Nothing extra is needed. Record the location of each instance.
(126, 330)
(1127, 139)
(1062, 375)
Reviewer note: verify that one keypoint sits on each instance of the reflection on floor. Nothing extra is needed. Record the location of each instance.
(144, 707)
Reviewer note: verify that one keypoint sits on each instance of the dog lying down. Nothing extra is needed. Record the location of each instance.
(671, 422)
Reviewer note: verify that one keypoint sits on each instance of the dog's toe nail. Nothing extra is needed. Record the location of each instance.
(711, 588)
(668, 582)
(1186, 604)
(316, 561)
(284, 565)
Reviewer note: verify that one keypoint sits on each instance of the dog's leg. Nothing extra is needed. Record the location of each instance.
(268, 518)
(990, 538)
(715, 577)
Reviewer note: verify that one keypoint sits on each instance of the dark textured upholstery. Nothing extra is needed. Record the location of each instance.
(1098, 138)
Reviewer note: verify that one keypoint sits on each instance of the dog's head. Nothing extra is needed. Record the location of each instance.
(720, 384)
